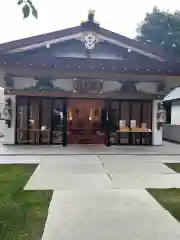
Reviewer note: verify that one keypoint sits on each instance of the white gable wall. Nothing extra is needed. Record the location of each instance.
(23, 82)
(2, 74)
(1, 109)
(175, 113)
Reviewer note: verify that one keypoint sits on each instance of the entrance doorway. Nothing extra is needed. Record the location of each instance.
(43, 120)
(86, 118)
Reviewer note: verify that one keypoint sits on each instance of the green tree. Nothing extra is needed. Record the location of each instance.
(161, 28)
(28, 8)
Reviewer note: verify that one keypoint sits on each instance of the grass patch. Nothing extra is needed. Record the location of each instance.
(174, 166)
(22, 213)
(169, 199)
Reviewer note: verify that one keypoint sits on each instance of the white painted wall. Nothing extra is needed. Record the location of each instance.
(175, 113)
(156, 134)
(2, 73)
(23, 82)
(1, 128)
(109, 86)
(9, 133)
(1, 109)
(64, 84)
(147, 87)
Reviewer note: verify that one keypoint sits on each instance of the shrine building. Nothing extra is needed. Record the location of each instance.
(84, 85)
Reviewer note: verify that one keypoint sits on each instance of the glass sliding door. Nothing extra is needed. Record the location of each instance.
(136, 113)
(146, 123)
(115, 110)
(147, 114)
(39, 120)
(45, 121)
(125, 114)
(135, 122)
(57, 121)
(131, 122)
(22, 121)
(124, 122)
(33, 121)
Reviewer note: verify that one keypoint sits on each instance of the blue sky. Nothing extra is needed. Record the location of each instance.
(119, 16)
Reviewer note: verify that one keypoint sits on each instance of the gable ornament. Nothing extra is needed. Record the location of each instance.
(90, 41)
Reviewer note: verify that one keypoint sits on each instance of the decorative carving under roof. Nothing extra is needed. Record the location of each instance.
(129, 87)
(90, 39)
(87, 85)
(42, 85)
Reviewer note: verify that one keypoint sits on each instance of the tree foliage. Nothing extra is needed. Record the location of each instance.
(27, 8)
(161, 28)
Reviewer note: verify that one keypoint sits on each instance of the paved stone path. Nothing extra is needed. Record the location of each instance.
(104, 197)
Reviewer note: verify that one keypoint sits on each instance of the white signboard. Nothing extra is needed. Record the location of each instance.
(122, 123)
(133, 123)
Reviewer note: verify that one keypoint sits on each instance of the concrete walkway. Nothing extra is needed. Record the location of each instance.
(36, 159)
(166, 149)
(113, 214)
(104, 172)
(104, 197)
